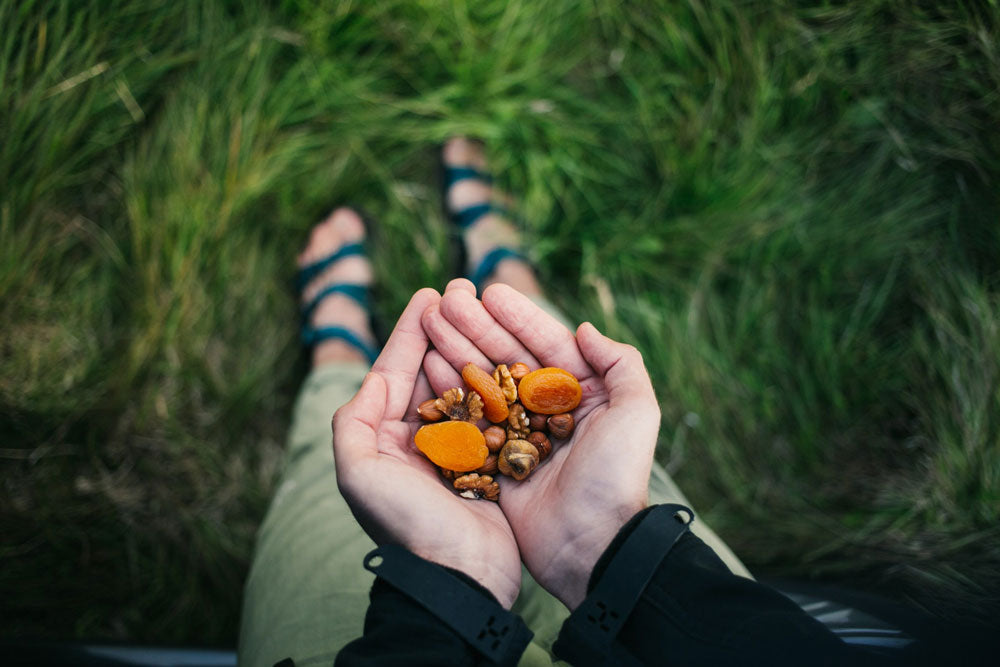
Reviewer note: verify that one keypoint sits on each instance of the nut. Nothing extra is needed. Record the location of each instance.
(474, 486)
(506, 382)
(460, 406)
(561, 425)
(536, 421)
(517, 423)
(518, 458)
(449, 475)
(429, 412)
(518, 371)
(490, 467)
(496, 437)
(541, 443)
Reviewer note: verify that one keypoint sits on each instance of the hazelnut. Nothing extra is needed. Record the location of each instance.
(518, 458)
(496, 437)
(429, 412)
(518, 371)
(541, 443)
(537, 421)
(561, 426)
(490, 467)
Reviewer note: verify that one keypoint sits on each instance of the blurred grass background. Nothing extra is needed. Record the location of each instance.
(790, 207)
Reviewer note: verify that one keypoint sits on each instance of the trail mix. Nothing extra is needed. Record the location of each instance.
(524, 409)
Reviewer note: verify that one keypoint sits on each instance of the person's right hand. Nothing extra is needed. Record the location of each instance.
(567, 512)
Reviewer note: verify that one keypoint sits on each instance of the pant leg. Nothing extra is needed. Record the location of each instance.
(307, 592)
(663, 489)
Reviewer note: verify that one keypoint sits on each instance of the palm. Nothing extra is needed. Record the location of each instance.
(563, 492)
(432, 517)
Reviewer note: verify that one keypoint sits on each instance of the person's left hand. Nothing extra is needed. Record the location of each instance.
(395, 493)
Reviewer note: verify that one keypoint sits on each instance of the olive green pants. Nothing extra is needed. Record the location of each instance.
(307, 592)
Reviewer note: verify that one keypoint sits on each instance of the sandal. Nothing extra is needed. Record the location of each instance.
(465, 218)
(312, 335)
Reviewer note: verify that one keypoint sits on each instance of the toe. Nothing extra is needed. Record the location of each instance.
(462, 152)
(348, 223)
(342, 226)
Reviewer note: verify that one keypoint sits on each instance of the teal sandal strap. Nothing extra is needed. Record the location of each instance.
(357, 292)
(489, 262)
(312, 336)
(307, 273)
(453, 175)
(470, 215)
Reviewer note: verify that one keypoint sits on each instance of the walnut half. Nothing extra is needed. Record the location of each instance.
(517, 423)
(506, 382)
(474, 486)
(461, 406)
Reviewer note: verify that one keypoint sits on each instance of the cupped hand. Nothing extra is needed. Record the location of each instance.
(395, 493)
(567, 512)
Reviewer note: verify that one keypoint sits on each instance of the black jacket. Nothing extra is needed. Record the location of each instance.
(692, 611)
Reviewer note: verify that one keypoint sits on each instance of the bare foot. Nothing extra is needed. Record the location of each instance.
(493, 229)
(343, 226)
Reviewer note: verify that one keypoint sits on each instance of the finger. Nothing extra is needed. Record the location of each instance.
(356, 423)
(462, 285)
(421, 392)
(450, 342)
(621, 365)
(441, 375)
(466, 313)
(543, 335)
(399, 362)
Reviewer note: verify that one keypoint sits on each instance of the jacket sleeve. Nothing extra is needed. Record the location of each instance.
(422, 613)
(399, 631)
(694, 611)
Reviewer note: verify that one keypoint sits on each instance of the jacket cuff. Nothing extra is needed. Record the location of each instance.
(459, 603)
(691, 610)
(601, 566)
(617, 583)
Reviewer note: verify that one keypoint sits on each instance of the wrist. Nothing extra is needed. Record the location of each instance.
(591, 633)
(501, 584)
(570, 569)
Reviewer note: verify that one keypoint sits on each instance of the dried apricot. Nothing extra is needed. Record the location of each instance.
(454, 445)
(494, 402)
(549, 391)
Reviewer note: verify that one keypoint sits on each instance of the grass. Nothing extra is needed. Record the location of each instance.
(789, 207)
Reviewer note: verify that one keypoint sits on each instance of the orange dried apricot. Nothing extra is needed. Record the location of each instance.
(454, 445)
(549, 391)
(494, 402)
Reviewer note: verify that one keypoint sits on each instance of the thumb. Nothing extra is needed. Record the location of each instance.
(356, 423)
(621, 367)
